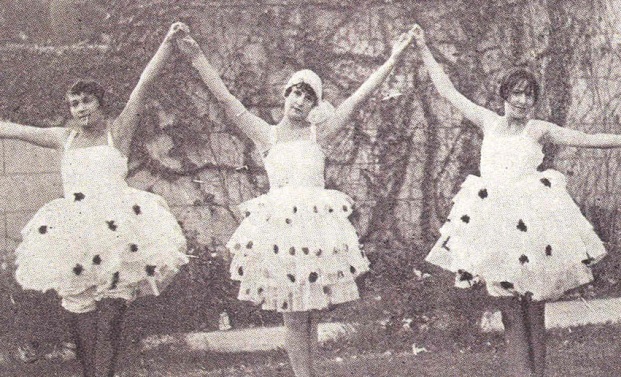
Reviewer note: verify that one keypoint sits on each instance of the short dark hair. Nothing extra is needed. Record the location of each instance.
(305, 88)
(88, 87)
(514, 78)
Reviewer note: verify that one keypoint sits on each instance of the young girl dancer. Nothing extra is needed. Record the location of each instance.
(296, 251)
(104, 243)
(513, 228)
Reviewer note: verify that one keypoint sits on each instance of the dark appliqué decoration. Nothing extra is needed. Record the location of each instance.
(465, 275)
(285, 306)
(249, 245)
(43, 229)
(136, 208)
(345, 208)
(483, 193)
(352, 269)
(546, 182)
(292, 250)
(78, 196)
(549, 250)
(240, 271)
(111, 225)
(521, 226)
(288, 221)
(305, 250)
(291, 278)
(445, 244)
(523, 259)
(133, 248)
(97, 260)
(150, 270)
(506, 285)
(116, 277)
(465, 219)
(77, 269)
(327, 290)
(318, 252)
(589, 259)
(275, 249)
(313, 276)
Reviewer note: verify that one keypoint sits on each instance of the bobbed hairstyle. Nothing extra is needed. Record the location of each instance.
(304, 87)
(91, 87)
(516, 77)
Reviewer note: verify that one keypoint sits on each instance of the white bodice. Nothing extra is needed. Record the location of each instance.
(96, 169)
(508, 157)
(295, 163)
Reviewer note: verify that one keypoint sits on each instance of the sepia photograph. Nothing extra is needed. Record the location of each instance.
(310, 188)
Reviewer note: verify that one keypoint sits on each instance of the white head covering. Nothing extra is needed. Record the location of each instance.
(324, 109)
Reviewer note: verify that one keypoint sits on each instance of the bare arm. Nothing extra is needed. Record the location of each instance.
(124, 126)
(574, 138)
(53, 137)
(345, 110)
(475, 113)
(251, 125)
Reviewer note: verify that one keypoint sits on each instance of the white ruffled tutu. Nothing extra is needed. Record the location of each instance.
(524, 236)
(296, 250)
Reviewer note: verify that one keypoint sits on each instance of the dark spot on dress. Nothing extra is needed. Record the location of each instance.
(589, 259)
(315, 209)
(78, 269)
(295, 209)
(546, 182)
(352, 269)
(111, 225)
(506, 285)
(97, 260)
(465, 218)
(240, 271)
(445, 244)
(43, 229)
(275, 249)
(336, 250)
(116, 277)
(318, 252)
(291, 278)
(465, 275)
(285, 305)
(133, 248)
(483, 193)
(340, 274)
(312, 277)
(330, 210)
(237, 246)
(249, 245)
(548, 250)
(362, 254)
(305, 250)
(327, 290)
(260, 290)
(78, 196)
(345, 208)
(247, 291)
(136, 208)
(521, 226)
(292, 250)
(523, 259)
(288, 221)
(247, 213)
(150, 269)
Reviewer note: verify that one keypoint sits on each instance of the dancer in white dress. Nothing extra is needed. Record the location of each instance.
(514, 228)
(296, 250)
(104, 243)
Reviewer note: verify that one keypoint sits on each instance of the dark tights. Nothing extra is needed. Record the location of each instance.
(98, 337)
(525, 336)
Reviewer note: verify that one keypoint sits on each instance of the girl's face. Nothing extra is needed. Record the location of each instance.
(298, 104)
(85, 108)
(520, 101)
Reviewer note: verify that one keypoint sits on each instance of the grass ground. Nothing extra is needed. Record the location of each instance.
(373, 352)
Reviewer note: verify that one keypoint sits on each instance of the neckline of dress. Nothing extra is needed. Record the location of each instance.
(96, 146)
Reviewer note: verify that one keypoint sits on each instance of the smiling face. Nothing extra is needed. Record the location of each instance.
(520, 101)
(520, 90)
(85, 108)
(299, 101)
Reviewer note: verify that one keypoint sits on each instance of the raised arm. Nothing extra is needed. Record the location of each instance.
(124, 126)
(574, 138)
(346, 109)
(475, 113)
(251, 125)
(53, 137)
